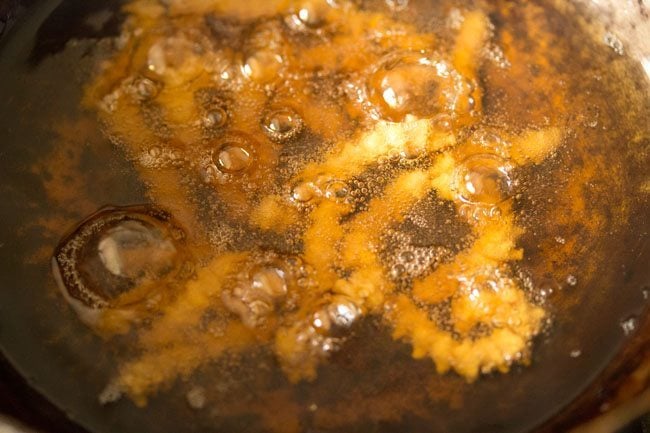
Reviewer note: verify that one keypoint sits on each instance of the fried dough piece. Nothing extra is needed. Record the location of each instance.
(322, 240)
(468, 357)
(472, 37)
(367, 284)
(477, 281)
(385, 139)
(157, 368)
(175, 344)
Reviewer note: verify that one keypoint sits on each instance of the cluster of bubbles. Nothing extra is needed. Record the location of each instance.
(612, 41)
(158, 157)
(489, 279)
(629, 325)
(267, 284)
(140, 88)
(404, 84)
(324, 331)
(323, 186)
(397, 5)
(408, 262)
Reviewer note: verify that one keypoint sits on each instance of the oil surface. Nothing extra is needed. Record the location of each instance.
(242, 170)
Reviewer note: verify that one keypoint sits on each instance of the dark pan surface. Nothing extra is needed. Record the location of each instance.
(43, 64)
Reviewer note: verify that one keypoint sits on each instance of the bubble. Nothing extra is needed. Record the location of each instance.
(196, 398)
(572, 280)
(408, 153)
(407, 256)
(270, 280)
(110, 101)
(629, 325)
(335, 319)
(132, 250)
(411, 84)
(343, 313)
(155, 151)
(214, 118)
(303, 192)
(545, 287)
(282, 124)
(397, 271)
(483, 179)
(442, 122)
(494, 212)
(495, 54)
(336, 190)
(397, 5)
(144, 88)
(612, 41)
(321, 322)
(308, 15)
(321, 332)
(263, 67)
(170, 53)
(260, 289)
(490, 140)
(213, 105)
(112, 393)
(156, 61)
(252, 312)
(113, 252)
(576, 353)
(258, 309)
(232, 158)
(158, 157)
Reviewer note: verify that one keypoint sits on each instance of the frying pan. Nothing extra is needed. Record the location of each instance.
(44, 61)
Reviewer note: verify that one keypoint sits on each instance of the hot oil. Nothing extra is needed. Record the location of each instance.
(227, 157)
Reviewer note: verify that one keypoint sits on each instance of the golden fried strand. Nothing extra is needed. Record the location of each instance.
(322, 240)
(368, 285)
(534, 146)
(157, 368)
(477, 282)
(385, 139)
(175, 343)
(468, 357)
